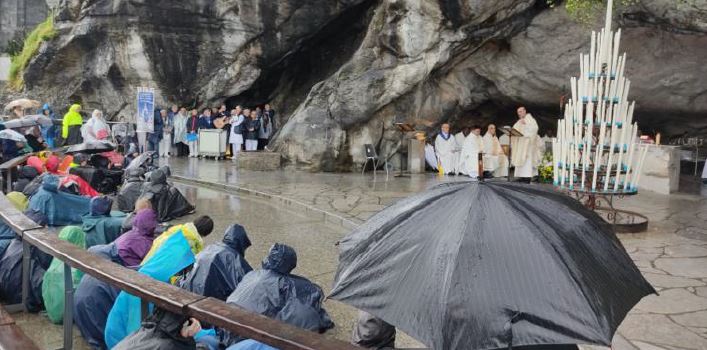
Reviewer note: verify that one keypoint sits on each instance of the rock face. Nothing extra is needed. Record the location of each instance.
(19, 16)
(342, 72)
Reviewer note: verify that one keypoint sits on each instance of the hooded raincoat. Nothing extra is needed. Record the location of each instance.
(11, 275)
(53, 285)
(95, 129)
(124, 318)
(27, 174)
(220, 267)
(131, 189)
(276, 293)
(71, 126)
(134, 244)
(190, 233)
(102, 226)
(60, 208)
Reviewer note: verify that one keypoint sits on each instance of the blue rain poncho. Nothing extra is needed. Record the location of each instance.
(173, 256)
(60, 208)
(220, 267)
(11, 275)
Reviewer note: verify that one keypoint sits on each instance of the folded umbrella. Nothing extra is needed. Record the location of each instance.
(490, 265)
(91, 147)
(12, 135)
(30, 120)
(24, 103)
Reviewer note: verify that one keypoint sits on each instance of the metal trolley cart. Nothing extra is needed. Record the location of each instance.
(212, 143)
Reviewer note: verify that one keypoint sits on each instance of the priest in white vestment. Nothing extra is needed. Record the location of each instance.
(447, 151)
(473, 145)
(495, 161)
(524, 150)
(460, 137)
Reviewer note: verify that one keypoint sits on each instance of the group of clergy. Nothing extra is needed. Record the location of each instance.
(459, 154)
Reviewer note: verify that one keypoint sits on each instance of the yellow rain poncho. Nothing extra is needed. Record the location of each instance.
(71, 118)
(19, 200)
(196, 243)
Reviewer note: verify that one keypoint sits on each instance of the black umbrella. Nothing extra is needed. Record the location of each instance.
(91, 147)
(490, 265)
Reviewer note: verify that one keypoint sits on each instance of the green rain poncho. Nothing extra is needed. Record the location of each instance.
(72, 117)
(53, 284)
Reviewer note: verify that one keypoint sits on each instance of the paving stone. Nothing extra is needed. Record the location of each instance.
(667, 281)
(672, 301)
(660, 330)
(701, 291)
(686, 267)
(693, 319)
(686, 251)
(649, 269)
(646, 346)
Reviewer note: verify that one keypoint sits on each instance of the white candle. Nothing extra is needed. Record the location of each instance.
(611, 146)
(631, 146)
(639, 168)
(600, 145)
(622, 137)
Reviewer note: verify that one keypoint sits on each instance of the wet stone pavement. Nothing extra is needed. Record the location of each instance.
(313, 211)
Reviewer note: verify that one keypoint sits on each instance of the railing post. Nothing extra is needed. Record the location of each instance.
(144, 311)
(8, 180)
(26, 266)
(68, 308)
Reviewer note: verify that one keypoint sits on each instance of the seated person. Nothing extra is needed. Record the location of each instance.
(36, 163)
(135, 244)
(495, 160)
(371, 332)
(11, 272)
(220, 267)
(93, 301)
(192, 231)
(101, 225)
(131, 189)
(53, 283)
(27, 174)
(76, 185)
(276, 293)
(60, 208)
(167, 200)
(52, 164)
(173, 256)
(163, 330)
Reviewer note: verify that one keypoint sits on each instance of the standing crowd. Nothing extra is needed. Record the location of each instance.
(176, 131)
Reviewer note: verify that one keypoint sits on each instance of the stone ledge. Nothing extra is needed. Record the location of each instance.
(259, 161)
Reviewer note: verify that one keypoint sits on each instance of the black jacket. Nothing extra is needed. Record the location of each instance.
(251, 124)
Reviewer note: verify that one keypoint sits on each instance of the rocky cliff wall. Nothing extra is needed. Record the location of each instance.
(18, 16)
(342, 72)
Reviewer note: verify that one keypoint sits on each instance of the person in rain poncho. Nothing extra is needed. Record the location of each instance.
(53, 284)
(495, 161)
(524, 150)
(48, 132)
(173, 256)
(447, 150)
(19, 201)
(101, 225)
(192, 231)
(11, 275)
(131, 189)
(277, 293)
(473, 145)
(180, 131)
(166, 199)
(95, 128)
(60, 208)
(26, 175)
(93, 301)
(71, 126)
(134, 245)
(371, 332)
(221, 266)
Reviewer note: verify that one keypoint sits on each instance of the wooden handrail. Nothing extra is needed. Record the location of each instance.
(216, 312)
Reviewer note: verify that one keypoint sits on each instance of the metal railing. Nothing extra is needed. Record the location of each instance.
(216, 312)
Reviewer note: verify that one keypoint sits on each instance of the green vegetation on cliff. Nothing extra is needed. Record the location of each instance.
(43, 32)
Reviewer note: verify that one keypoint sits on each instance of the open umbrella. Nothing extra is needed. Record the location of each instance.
(30, 120)
(91, 147)
(24, 103)
(12, 135)
(490, 265)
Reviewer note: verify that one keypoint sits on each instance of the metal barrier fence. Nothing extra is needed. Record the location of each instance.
(216, 312)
